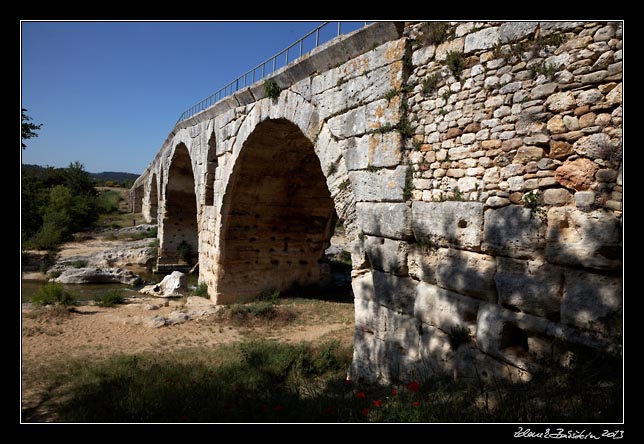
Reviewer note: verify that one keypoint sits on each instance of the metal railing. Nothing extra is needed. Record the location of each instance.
(260, 71)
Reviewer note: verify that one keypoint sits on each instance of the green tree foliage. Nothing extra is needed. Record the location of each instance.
(56, 202)
(28, 129)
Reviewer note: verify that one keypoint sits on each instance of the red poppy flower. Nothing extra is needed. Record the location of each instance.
(329, 409)
(228, 406)
(413, 386)
(348, 382)
(377, 402)
(365, 412)
(278, 408)
(264, 408)
(416, 403)
(394, 392)
(361, 395)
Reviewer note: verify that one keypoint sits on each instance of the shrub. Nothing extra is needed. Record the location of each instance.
(110, 298)
(184, 251)
(202, 290)
(52, 293)
(430, 83)
(271, 89)
(456, 63)
(79, 263)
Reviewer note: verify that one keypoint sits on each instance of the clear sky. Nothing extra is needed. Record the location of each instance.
(109, 93)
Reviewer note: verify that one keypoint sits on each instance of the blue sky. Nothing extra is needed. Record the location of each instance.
(109, 93)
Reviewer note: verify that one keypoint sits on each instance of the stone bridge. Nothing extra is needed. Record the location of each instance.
(476, 168)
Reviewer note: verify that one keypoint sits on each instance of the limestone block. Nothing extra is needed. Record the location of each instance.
(444, 223)
(595, 146)
(378, 186)
(370, 317)
(394, 292)
(423, 55)
(445, 309)
(562, 101)
(511, 31)
(435, 349)
(483, 39)
(349, 124)
(468, 273)
(422, 262)
(328, 151)
(468, 364)
(526, 154)
(531, 286)
(453, 45)
(387, 254)
(588, 239)
(368, 354)
(513, 231)
(556, 196)
(378, 150)
(592, 301)
(392, 220)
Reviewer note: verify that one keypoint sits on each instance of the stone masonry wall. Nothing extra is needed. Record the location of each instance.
(509, 241)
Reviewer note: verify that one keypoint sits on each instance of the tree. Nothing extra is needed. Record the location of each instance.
(28, 129)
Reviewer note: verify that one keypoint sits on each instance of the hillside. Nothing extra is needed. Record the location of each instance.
(114, 176)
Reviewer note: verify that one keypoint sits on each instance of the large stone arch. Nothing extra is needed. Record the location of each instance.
(179, 225)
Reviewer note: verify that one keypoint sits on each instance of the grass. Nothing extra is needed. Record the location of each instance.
(53, 293)
(110, 298)
(430, 83)
(543, 68)
(267, 381)
(456, 63)
(202, 290)
(108, 201)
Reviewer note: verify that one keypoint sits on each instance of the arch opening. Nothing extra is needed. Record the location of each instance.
(211, 166)
(277, 216)
(179, 248)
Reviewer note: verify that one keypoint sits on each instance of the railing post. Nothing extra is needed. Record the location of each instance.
(339, 25)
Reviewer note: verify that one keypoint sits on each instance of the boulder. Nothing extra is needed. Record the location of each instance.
(173, 285)
(98, 276)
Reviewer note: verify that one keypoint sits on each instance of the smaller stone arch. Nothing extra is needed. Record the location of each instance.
(211, 167)
(154, 199)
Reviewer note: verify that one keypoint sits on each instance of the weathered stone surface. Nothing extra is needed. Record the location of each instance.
(394, 292)
(379, 186)
(526, 154)
(511, 31)
(577, 174)
(423, 55)
(614, 97)
(555, 125)
(387, 254)
(422, 261)
(468, 273)
(592, 301)
(378, 150)
(562, 101)
(173, 285)
(497, 202)
(543, 90)
(560, 149)
(556, 196)
(392, 220)
(443, 223)
(595, 146)
(88, 275)
(531, 286)
(483, 39)
(444, 309)
(587, 239)
(584, 198)
(513, 231)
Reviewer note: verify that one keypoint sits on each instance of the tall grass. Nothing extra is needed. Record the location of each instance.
(53, 293)
(265, 381)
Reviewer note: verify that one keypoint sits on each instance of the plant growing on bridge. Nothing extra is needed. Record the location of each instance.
(430, 83)
(456, 63)
(271, 89)
(184, 252)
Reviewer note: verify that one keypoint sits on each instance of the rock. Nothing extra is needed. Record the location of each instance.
(584, 198)
(444, 309)
(173, 285)
(392, 220)
(526, 154)
(483, 39)
(511, 31)
(589, 97)
(394, 292)
(473, 127)
(560, 149)
(604, 34)
(513, 231)
(587, 239)
(532, 286)
(423, 55)
(556, 196)
(468, 273)
(543, 90)
(614, 97)
(98, 276)
(555, 125)
(387, 254)
(595, 146)
(378, 150)
(592, 301)
(381, 185)
(587, 120)
(152, 306)
(497, 202)
(606, 175)
(562, 101)
(422, 261)
(571, 123)
(443, 223)
(577, 174)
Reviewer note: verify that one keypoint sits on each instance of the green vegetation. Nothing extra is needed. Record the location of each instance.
(108, 201)
(409, 184)
(332, 169)
(534, 200)
(184, 252)
(79, 263)
(53, 293)
(110, 298)
(435, 33)
(271, 89)
(456, 63)
(458, 336)
(404, 128)
(430, 83)
(202, 290)
(391, 94)
(267, 381)
(344, 185)
(416, 144)
(385, 128)
(547, 69)
(56, 202)
(28, 130)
